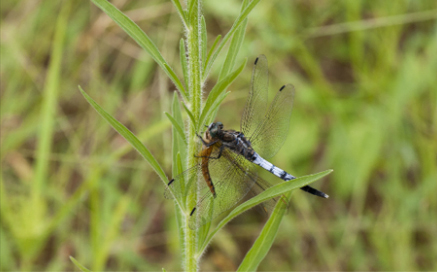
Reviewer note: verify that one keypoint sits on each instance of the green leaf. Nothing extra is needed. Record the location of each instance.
(204, 41)
(184, 63)
(172, 74)
(177, 148)
(234, 48)
(204, 230)
(238, 22)
(180, 11)
(175, 141)
(182, 185)
(265, 240)
(214, 108)
(271, 192)
(141, 38)
(215, 93)
(177, 127)
(190, 115)
(192, 15)
(177, 115)
(81, 267)
(129, 136)
(211, 50)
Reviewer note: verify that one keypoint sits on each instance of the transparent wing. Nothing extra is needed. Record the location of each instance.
(271, 134)
(183, 184)
(256, 104)
(234, 178)
(177, 187)
(231, 177)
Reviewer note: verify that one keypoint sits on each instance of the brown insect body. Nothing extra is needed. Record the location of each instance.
(205, 154)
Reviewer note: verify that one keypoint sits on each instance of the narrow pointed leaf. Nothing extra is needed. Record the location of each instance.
(180, 10)
(265, 240)
(190, 115)
(172, 74)
(218, 89)
(203, 40)
(81, 267)
(141, 38)
(184, 63)
(177, 115)
(271, 192)
(214, 108)
(129, 136)
(177, 127)
(192, 16)
(234, 47)
(211, 50)
(238, 22)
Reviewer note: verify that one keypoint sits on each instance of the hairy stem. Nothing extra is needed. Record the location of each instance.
(195, 90)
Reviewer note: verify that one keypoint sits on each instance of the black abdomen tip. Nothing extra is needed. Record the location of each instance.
(256, 60)
(170, 182)
(282, 88)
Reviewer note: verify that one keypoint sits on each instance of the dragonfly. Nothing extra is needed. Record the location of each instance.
(228, 159)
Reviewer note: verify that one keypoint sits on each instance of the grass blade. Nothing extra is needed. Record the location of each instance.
(141, 38)
(271, 192)
(265, 240)
(48, 114)
(81, 267)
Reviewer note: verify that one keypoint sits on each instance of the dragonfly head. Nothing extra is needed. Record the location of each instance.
(215, 128)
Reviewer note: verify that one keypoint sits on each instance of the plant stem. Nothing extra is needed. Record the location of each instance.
(195, 91)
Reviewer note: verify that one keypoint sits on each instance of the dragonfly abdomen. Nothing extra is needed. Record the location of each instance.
(258, 160)
(205, 154)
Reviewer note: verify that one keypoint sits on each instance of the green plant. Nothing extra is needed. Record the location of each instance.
(364, 73)
(197, 62)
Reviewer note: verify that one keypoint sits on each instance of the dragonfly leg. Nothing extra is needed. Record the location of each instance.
(205, 143)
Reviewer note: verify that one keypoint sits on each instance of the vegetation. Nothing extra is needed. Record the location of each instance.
(365, 106)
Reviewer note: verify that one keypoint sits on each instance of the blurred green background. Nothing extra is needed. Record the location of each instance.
(365, 74)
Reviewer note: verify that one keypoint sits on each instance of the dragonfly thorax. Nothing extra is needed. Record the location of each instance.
(231, 139)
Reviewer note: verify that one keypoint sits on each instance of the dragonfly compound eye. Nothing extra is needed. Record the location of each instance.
(215, 128)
